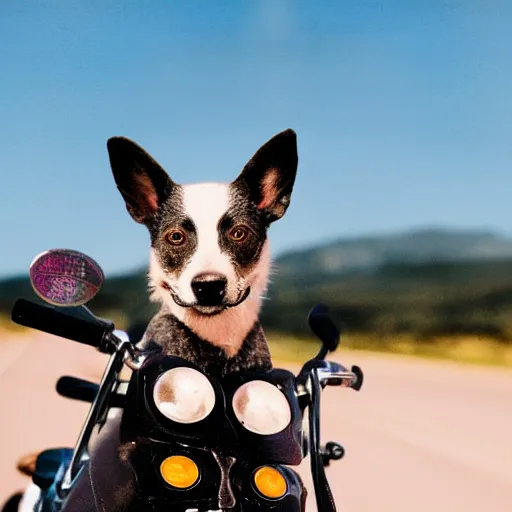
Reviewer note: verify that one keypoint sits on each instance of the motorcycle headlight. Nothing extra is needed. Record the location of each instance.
(261, 408)
(184, 395)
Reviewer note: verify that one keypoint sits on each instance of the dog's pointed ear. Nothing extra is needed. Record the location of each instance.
(269, 175)
(142, 182)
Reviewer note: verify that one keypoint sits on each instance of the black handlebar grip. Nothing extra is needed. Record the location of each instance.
(65, 324)
(360, 378)
(78, 389)
(85, 391)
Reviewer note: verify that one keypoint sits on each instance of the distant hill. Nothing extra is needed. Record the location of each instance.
(425, 283)
(414, 247)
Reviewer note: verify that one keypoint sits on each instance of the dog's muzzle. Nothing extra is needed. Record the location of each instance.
(207, 309)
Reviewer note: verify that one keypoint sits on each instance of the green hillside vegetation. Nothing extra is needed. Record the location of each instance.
(422, 300)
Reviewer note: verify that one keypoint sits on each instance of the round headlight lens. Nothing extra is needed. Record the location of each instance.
(261, 408)
(184, 395)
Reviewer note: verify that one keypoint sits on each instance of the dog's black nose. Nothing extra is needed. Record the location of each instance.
(209, 289)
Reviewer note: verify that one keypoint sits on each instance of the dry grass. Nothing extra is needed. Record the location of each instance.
(463, 349)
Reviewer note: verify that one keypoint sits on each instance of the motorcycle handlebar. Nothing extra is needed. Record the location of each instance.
(69, 323)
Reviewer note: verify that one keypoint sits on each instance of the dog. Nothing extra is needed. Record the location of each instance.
(209, 261)
(209, 258)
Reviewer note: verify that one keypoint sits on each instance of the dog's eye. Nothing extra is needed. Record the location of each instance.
(239, 233)
(175, 237)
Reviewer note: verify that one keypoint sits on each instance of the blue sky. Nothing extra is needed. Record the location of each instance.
(403, 113)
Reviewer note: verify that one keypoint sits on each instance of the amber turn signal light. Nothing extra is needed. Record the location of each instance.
(179, 471)
(270, 482)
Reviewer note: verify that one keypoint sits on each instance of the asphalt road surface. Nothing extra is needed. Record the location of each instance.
(420, 436)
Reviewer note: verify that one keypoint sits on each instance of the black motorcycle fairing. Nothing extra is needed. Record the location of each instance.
(151, 437)
(109, 482)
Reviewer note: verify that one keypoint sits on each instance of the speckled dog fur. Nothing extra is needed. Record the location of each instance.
(177, 339)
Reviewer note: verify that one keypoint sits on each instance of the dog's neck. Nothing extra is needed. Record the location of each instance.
(228, 329)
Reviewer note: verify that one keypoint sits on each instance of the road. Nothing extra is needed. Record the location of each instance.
(419, 436)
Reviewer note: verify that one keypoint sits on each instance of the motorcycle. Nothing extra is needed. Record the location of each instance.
(171, 437)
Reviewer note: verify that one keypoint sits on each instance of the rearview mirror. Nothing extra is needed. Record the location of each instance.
(323, 327)
(63, 277)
